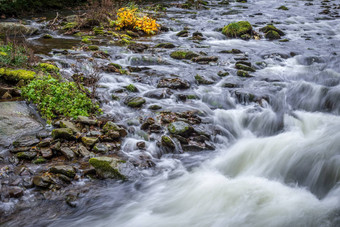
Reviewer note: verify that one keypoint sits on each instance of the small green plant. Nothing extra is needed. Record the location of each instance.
(54, 97)
(13, 55)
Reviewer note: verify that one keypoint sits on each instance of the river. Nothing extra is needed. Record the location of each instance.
(277, 159)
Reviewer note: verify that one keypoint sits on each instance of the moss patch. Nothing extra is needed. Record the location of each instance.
(12, 75)
(237, 29)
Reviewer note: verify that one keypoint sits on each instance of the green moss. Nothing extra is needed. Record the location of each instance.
(107, 167)
(271, 35)
(47, 36)
(242, 73)
(93, 47)
(16, 75)
(48, 67)
(283, 8)
(39, 160)
(70, 25)
(117, 66)
(284, 40)
(86, 39)
(237, 29)
(192, 97)
(270, 27)
(124, 36)
(131, 88)
(244, 67)
(183, 55)
(98, 30)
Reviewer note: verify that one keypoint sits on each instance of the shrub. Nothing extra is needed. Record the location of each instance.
(54, 98)
(128, 18)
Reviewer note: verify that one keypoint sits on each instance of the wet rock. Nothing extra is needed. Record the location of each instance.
(222, 73)
(47, 36)
(63, 169)
(232, 51)
(132, 33)
(110, 126)
(62, 133)
(42, 181)
(107, 167)
(150, 121)
(182, 54)
(167, 142)
(45, 142)
(16, 29)
(46, 152)
(20, 149)
(174, 83)
(15, 192)
(86, 120)
(29, 155)
(165, 45)
(183, 33)
(7, 95)
(93, 47)
(43, 134)
(155, 107)
(89, 141)
(132, 88)
(158, 94)
(205, 59)
(203, 80)
(100, 148)
(56, 147)
(242, 73)
(82, 150)
(238, 29)
(26, 141)
(141, 145)
(138, 47)
(244, 67)
(180, 128)
(271, 32)
(67, 152)
(135, 102)
(100, 54)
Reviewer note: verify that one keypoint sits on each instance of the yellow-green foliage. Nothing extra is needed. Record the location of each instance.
(16, 75)
(48, 67)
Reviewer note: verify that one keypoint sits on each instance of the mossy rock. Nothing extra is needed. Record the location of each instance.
(48, 67)
(39, 160)
(117, 66)
(270, 27)
(244, 67)
(180, 128)
(165, 45)
(98, 30)
(242, 73)
(16, 75)
(180, 55)
(107, 167)
(183, 33)
(167, 142)
(89, 141)
(110, 126)
(62, 133)
(47, 36)
(63, 169)
(271, 35)
(93, 47)
(282, 8)
(135, 102)
(29, 155)
(131, 88)
(237, 29)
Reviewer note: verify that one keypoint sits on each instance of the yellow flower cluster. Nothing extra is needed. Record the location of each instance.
(127, 18)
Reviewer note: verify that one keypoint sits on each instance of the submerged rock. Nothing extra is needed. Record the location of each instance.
(271, 32)
(135, 101)
(165, 45)
(107, 167)
(174, 83)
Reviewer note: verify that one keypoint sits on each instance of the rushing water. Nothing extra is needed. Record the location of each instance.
(275, 164)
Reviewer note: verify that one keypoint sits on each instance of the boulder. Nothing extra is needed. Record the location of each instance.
(135, 102)
(29, 155)
(15, 29)
(100, 148)
(182, 54)
(238, 29)
(67, 152)
(107, 167)
(110, 126)
(89, 141)
(69, 125)
(86, 120)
